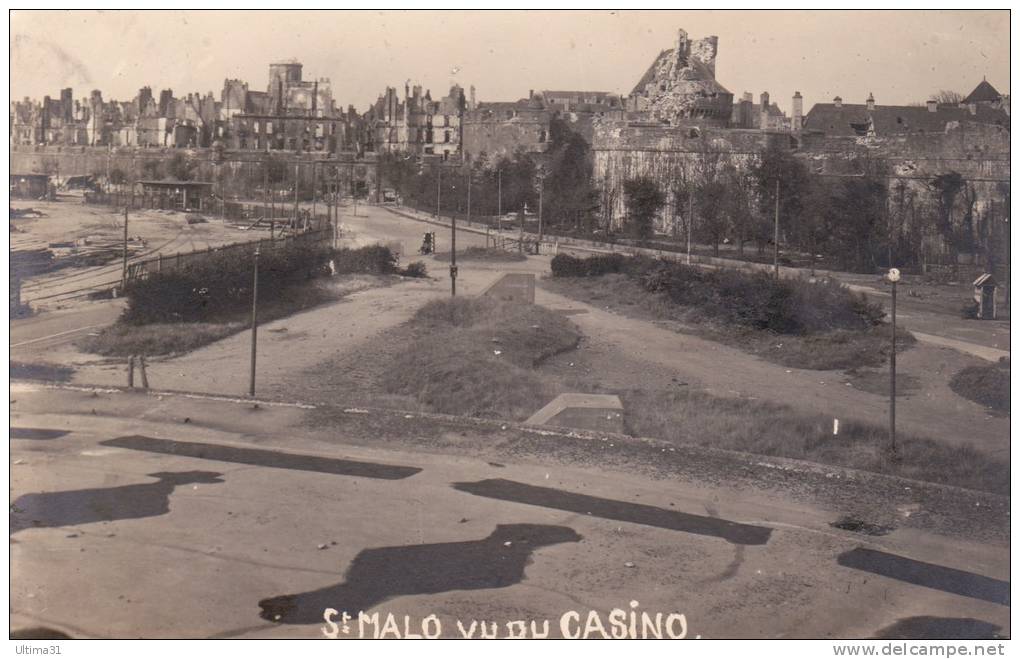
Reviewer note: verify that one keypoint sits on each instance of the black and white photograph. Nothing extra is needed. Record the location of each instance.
(546, 324)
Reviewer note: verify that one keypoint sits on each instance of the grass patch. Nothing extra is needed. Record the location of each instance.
(832, 349)
(41, 371)
(985, 385)
(121, 340)
(180, 310)
(773, 430)
(124, 339)
(476, 357)
(754, 300)
(483, 254)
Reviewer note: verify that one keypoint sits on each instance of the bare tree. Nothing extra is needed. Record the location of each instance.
(948, 97)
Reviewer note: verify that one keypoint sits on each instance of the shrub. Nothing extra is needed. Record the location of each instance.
(372, 259)
(220, 286)
(416, 269)
(755, 300)
(985, 385)
(564, 265)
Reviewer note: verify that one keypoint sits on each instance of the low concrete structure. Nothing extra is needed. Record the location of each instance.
(173, 194)
(519, 288)
(599, 412)
(30, 186)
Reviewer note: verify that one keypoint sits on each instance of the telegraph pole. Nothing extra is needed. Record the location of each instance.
(315, 171)
(775, 237)
(254, 321)
(354, 191)
(541, 188)
(265, 190)
(469, 199)
(499, 199)
(439, 188)
(453, 249)
(123, 277)
(520, 240)
(690, 223)
(295, 194)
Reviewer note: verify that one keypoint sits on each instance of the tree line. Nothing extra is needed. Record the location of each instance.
(864, 220)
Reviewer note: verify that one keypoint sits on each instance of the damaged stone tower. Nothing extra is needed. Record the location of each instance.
(680, 86)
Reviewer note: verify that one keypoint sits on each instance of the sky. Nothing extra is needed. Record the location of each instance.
(899, 56)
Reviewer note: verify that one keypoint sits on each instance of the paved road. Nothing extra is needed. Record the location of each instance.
(988, 340)
(47, 335)
(163, 516)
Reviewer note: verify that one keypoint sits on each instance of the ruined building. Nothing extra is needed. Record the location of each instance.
(497, 129)
(682, 127)
(680, 85)
(293, 114)
(416, 124)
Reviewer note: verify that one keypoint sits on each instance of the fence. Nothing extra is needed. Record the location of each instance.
(281, 210)
(168, 263)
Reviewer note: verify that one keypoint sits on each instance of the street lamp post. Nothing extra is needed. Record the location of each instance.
(894, 276)
(254, 321)
(775, 237)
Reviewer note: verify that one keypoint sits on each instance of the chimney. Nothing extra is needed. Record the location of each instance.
(764, 121)
(798, 111)
(933, 105)
(744, 117)
(838, 102)
(680, 50)
(472, 106)
(531, 94)
(870, 102)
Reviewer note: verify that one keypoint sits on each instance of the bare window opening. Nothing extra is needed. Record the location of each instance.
(693, 133)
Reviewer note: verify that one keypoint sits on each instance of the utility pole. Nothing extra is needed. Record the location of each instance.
(469, 199)
(541, 189)
(123, 277)
(354, 191)
(254, 321)
(1009, 282)
(295, 194)
(315, 171)
(690, 223)
(520, 240)
(334, 202)
(439, 188)
(499, 199)
(894, 276)
(453, 249)
(265, 190)
(775, 237)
